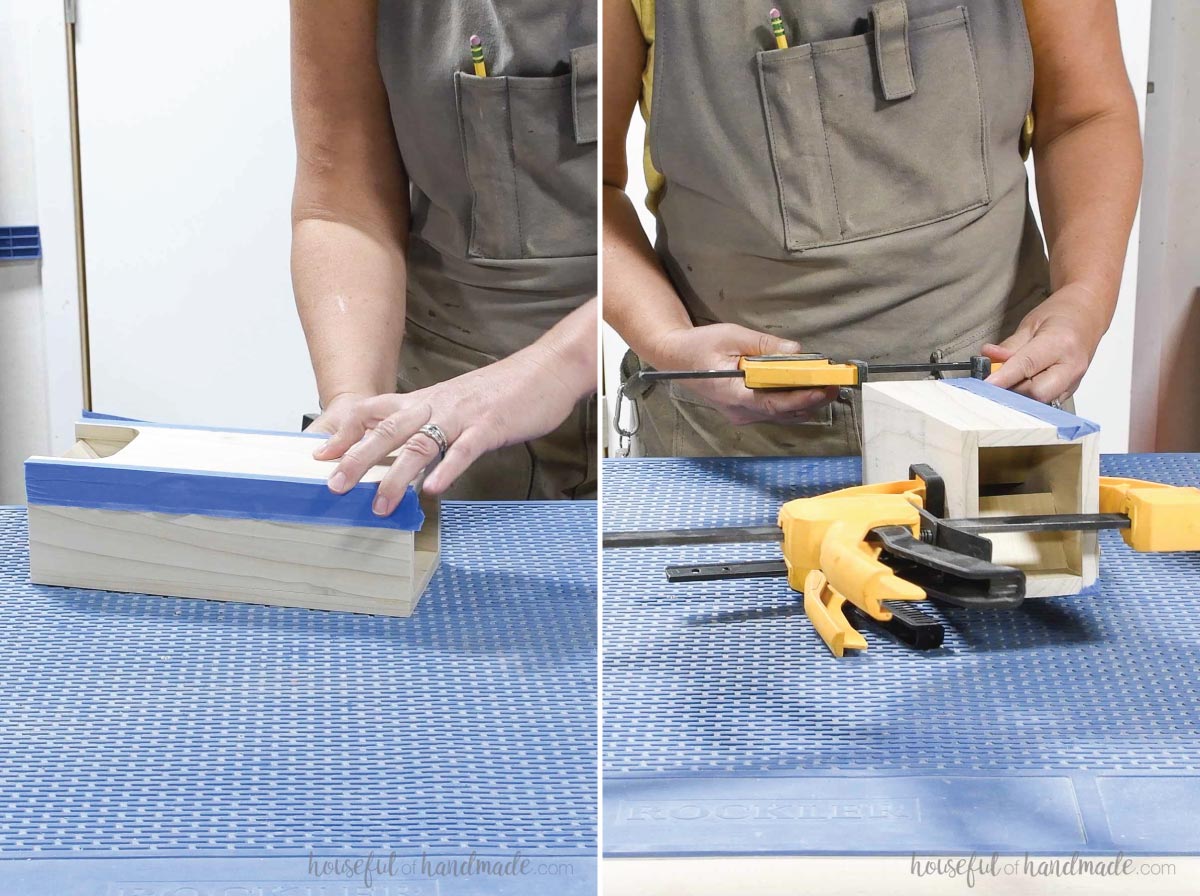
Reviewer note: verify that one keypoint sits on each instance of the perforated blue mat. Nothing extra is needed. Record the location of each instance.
(1071, 724)
(148, 741)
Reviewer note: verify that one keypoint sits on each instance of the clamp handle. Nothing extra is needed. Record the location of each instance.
(830, 560)
(796, 372)
(812, 371)
(1161, 517)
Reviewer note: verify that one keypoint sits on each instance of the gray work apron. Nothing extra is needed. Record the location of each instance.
(861, 192)
(503, 183)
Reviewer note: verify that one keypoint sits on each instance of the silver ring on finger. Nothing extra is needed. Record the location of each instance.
(435, 432)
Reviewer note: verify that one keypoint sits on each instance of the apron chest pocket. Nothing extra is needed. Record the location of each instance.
(531, 161)
(876, 133)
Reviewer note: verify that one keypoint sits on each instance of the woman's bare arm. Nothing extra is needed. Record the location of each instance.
(639, 300)
(1088, 157)
(350, 208)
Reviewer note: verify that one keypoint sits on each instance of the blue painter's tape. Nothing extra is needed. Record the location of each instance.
(107, 418)
(1070, 427)
(238, 496)
(96, 417)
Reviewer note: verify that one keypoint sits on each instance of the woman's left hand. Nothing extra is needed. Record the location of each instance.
(510, 401)
(1050, 352)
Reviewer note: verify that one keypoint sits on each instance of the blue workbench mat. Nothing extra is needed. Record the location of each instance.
(158, 739)
(1072, 724)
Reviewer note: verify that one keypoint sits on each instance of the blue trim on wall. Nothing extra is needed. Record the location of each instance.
(20, 243)
(1070, 427)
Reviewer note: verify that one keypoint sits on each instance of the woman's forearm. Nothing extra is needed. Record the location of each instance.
(640, 302)
(1089, 177)
(566, 355)
(1086, 147)
(350, 207)
(349, 288)
(1088, 157)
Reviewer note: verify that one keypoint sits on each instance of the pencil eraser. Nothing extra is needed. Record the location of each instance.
(475, 41)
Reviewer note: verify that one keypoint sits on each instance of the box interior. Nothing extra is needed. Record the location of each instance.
(1033, 480)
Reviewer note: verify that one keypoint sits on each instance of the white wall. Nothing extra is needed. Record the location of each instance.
(187, 162)
(22, 359)
(187, 167)
(39, 347)
(1105, 393)
(1166, 413)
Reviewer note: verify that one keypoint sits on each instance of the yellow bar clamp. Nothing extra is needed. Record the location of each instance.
(1161, 517)
(830, 561)
(798, 373)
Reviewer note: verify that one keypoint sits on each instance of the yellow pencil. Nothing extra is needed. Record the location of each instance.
(477, 56)
(777, 27)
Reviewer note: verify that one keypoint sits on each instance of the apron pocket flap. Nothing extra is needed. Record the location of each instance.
(584, 93)
(891, 49)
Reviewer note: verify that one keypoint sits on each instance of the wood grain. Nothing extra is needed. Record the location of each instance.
(256, 561)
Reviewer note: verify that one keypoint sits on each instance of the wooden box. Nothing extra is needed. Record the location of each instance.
(1001, 455)
(228, 515)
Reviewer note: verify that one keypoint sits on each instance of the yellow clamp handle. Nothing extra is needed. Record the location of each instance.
(796, 373)
(829, 559)
(1162, 517)
(824, 608)
(800, 372)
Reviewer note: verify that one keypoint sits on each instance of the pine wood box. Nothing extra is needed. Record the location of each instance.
(221, 514)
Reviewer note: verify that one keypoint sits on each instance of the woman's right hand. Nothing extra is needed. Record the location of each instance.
(718, 347)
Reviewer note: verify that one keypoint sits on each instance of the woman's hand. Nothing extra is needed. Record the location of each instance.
(1050, 352)
(478, 412)
(338, 411)
(519, 398)
(718, 347)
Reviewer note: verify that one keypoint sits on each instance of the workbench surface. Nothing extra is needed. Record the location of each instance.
(1070, 724)
(149, 741)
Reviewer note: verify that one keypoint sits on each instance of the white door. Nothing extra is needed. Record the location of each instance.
(187, 165)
